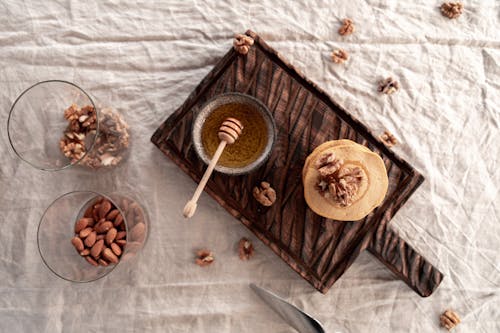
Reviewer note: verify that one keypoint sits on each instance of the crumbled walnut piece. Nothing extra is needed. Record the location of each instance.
(336, 181)
(339, 56)
(347, 28)
(388, 86)
(388, 138)
(245, 249)
(449, 319)
(204, 258)
(242, 43)
(451, 10)
(264, 194)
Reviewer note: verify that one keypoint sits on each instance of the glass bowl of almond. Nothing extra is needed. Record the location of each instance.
(84, 235)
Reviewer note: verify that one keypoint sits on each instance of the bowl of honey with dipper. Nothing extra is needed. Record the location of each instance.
(251, 148)
(234, 134)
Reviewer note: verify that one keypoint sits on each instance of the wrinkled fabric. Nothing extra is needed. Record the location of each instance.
(145, 59)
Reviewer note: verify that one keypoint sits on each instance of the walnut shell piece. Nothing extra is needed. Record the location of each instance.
(339, 56)
(388, 138)
(245, 249)
(264, 194)
(451, 10)
(449, 319)
(204, 257)
(388, 86)
(242, 43)
(347, 28)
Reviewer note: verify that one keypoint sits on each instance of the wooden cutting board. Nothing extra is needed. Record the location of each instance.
(320, 250)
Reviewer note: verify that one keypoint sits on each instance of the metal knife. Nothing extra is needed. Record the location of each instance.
(295, 317)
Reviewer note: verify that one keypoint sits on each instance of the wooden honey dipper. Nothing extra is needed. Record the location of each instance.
(228, 133)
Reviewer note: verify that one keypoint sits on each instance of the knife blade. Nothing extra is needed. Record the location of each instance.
(295, 317)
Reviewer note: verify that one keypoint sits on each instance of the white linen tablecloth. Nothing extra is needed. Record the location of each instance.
(145, 58)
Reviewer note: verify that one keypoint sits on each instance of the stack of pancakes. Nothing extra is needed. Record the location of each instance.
(370, 188)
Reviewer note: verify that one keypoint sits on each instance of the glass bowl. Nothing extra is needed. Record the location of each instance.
(56, 233)
(36, 123)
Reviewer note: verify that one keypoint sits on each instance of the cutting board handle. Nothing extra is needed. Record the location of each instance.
(405, 262)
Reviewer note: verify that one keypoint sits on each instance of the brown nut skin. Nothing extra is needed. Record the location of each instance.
(108, 255)
(103, 262)
(91, 239)
(104, 208)
(96, 250)
(264, 194)
(85, 252)
(111, 235)
(91, 261)
(121, 235)
(116, 249)
(82, 224)
(118, 220)
(103, 227)
(77, 243)
(121, 242)
(112, 215)
(85, 232)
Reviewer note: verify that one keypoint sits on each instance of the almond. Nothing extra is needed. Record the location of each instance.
(96, 250)
(85, 252)
(77, 243)
(116, 249)
(109, 255)
(138, 231)
(82, 224)
(111, 235)
(85, 232)
(118, 220)
(103, 227)
(112, 214)
(121, 242)
(95, 212)
(88, 211)
(104, 208)
(103, 262)
(100, 236)
(91, 261)
(90, 240)
(121, 234)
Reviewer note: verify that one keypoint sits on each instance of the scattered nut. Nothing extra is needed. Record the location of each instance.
(449, 319)
(339, 56)
(347, 28)
(204, 258)
(242, 43)
(264, 194)
(245, 249)
(388, 86)
(388, 138)
(451, 10)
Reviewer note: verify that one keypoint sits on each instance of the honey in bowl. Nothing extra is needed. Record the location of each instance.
(250, 144)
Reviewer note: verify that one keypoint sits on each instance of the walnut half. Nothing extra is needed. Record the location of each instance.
(264, 194)
(242, 43)
(347, 28)
(449, 319)
(339, 56)
(451, 10)
(204, 258)
(336, 181)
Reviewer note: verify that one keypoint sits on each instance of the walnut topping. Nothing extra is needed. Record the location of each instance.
(204, 258)
(388, 86)
(264, 194)
(242, 43)
(388, 138)
(451, 9)
(347, 28)
(339, 56)
(336, 181)
(449, 319)
(245, 249)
